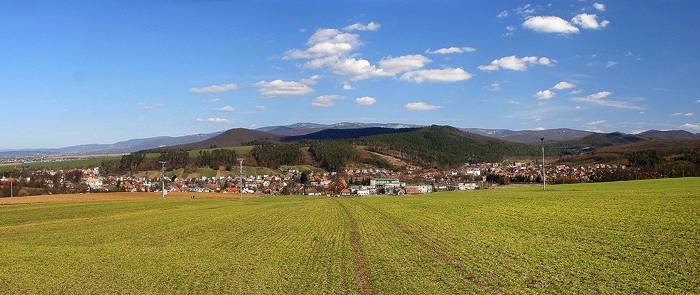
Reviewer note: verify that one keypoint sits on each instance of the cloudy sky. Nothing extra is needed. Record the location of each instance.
(81, 72)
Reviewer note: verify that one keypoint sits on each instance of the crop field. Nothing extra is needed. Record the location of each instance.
(623, 237)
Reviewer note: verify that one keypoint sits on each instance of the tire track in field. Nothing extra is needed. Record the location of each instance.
(435, 251)
(364, 286)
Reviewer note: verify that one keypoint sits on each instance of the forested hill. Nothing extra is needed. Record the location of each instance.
(346, 133)
(444, 146)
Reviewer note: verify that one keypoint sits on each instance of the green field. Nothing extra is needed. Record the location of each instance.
(625, 237)
(68, 164)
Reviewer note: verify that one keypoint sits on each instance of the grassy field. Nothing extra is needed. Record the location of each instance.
(624, 237)
(68, 164)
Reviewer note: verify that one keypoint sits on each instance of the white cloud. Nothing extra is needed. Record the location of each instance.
(549, 24)
(213, 120)
(694, 127)
(502, 14)
(494, 86)
(347, 86)
(601, 99)
(325, 101)
(515, 63)
(214, 100)
(437, 75)
(311, 80)
(326, 42)
(697, 101)
(451, 50)
(366, 100)
(589, 21)
(260, 108)
(282, 88)
(525, 10)
(595, 123)
(226, 109)
(539, 129)
(599, 6)
(510, 30)
(394, 65)
(421, 106)
(357, 69)
(611, 64)
(683, 114)
(545, 94)
(371, 26)
(563, 85)
(215, 88)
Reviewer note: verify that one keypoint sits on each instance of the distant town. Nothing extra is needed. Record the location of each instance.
(314, 182)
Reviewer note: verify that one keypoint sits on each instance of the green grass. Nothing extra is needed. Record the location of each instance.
(69, 164)
(623, 237)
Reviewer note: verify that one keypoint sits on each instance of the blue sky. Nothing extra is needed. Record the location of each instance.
(74, 72)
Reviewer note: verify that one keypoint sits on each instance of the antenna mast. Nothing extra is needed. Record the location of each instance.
(162, 177)
(240, 167)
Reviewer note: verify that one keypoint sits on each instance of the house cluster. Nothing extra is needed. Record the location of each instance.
(316, 182)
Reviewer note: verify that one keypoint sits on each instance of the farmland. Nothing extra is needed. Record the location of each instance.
(630, 237)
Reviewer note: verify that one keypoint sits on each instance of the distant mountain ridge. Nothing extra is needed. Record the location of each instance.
(308, 128)
(126, 146)
(297, 131)
(531, 136)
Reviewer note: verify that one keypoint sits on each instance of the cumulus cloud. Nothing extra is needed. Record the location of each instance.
(421, 106)
(545, 94)
(282, 88)
(371, 26)
(451, 50)
(563, 85)
(599, 6)
(325, 101)
(311, 80)
(326, 42)
(347, 86)
(601, 99)
(549, 24)
(225, 109)
(394, 65)
(515, 63)
(357, 69)
(212, 120)
(690, 126)
(365, 101)
(214, 100)
(437, 75)
(260, 108)
(589, 21)
(214, 88)
(502, 14)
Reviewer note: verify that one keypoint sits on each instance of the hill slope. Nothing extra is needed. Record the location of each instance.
(229, 138)
(346, 133)
(443, 146)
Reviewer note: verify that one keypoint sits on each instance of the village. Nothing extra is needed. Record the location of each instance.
(292, 181)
